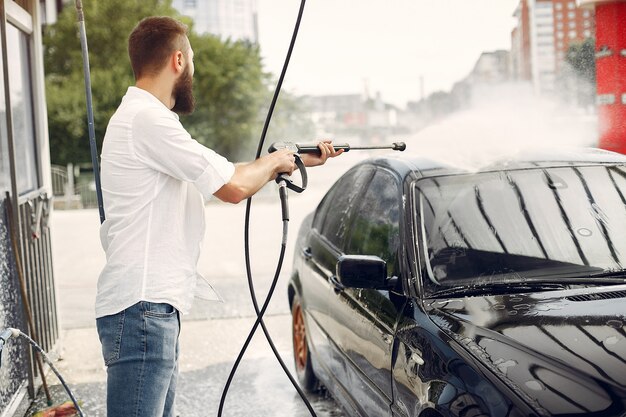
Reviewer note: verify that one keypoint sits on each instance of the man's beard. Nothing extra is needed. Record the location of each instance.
(183, 94)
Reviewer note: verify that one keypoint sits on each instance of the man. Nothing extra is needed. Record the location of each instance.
(154, 176)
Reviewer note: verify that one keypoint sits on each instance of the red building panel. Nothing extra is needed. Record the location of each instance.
(611, 74)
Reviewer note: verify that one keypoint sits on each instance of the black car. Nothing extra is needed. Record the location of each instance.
(421, 289)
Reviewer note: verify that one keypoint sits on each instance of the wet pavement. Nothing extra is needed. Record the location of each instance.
(213, 333)
(208, 349)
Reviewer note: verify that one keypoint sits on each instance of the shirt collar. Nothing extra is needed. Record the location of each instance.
(135, 92)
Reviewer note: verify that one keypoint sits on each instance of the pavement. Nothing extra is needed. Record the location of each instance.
(212, 334)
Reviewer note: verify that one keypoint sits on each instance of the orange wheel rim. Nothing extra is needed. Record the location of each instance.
(300, 350)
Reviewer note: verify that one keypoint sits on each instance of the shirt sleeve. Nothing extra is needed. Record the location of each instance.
(161, 142)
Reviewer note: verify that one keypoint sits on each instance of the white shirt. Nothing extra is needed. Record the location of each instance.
(154, 176)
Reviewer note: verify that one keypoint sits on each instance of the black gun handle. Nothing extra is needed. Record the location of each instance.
(308, 148)
(313, 148)
(290, 184)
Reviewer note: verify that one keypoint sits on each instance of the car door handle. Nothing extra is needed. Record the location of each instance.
(306, 252)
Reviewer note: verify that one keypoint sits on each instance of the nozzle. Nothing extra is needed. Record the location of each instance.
(398, 146)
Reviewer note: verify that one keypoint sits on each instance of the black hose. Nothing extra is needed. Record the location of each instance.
(54, 369)
(261, 312)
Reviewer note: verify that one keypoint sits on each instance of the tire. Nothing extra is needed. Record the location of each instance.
(301, 353)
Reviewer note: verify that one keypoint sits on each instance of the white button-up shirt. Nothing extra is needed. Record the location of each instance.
(154, 176)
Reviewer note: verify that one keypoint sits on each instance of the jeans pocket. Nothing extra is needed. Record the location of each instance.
(110, 329)
(159, 310)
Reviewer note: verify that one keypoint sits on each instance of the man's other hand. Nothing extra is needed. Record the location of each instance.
(326, 151)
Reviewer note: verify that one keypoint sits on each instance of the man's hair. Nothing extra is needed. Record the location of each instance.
(152, 42)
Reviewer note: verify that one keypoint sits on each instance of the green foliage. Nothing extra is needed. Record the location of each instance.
(577, 82)
(108, 24)
(229, 83)
(582, 59)
(229, 89)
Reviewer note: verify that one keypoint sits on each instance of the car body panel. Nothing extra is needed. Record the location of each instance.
(559, 350)
(397, 351)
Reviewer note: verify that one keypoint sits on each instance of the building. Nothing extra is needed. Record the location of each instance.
(544, 32)
(25, 178)
(369, 118)
(492, 68)
(520, 44)
(610, 71)
(234, 19)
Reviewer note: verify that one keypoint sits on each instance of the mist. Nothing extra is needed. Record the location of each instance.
(501, 121)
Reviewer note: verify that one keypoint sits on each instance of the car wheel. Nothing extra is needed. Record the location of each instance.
(301, 354)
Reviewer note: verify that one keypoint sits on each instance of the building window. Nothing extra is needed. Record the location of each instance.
(572, 24)
(560, 35)
(189, 3)
(558, 6)
(571, 5)
(587, 23)
(22, 109)
(586, 13)
(559, 25)
(572, 34)
(559, 16)
(571, 15)
(587, 33)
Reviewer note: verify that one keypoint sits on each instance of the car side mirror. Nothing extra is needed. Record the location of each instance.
(362, 271)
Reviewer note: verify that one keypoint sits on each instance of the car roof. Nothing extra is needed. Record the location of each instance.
(415, 165)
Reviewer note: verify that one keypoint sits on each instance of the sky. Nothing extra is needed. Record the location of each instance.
(386, 46)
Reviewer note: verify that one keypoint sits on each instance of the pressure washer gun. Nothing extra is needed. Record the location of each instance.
(298, 149)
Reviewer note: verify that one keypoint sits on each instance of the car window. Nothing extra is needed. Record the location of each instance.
(375, 228)
(333, 213)
(512, 226)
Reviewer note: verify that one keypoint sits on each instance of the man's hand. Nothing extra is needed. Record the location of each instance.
(326, 151)
(250, 177)
(284, 162)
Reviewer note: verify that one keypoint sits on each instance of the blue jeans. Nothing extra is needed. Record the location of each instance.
(140, 350)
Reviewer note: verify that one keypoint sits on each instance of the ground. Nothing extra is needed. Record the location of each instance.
(213, 333)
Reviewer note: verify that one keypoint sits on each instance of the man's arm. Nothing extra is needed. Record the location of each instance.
(252, 176)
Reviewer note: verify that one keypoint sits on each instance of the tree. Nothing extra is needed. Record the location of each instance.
(577, 81)
(229, 83)
(229, 89)
(582, 58)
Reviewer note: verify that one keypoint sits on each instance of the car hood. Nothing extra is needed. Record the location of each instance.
(560, 351)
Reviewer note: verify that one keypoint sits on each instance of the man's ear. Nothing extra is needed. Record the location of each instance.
(178, 61)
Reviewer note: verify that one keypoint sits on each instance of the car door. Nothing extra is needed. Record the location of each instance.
(319, 253)
(362, 321)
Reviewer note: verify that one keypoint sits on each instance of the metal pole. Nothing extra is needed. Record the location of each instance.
(92, 133)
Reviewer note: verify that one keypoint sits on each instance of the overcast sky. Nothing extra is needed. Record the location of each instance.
(344, 45)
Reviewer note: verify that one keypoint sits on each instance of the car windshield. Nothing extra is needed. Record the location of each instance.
(507, 227)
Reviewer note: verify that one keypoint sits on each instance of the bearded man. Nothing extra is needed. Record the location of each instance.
(154, 178)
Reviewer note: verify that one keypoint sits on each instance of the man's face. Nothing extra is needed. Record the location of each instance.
(183, 89)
